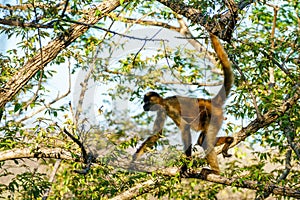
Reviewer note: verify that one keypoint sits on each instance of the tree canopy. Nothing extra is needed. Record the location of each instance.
(72, 79)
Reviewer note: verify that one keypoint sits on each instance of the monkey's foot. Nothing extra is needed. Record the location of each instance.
(204, 172)
(184, 171)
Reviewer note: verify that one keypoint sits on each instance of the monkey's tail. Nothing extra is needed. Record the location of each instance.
(226, 65)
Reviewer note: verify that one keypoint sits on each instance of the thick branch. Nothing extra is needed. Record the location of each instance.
(29, 152)
(173, 171)
(50, 51)
(268, 118)
(221, 25)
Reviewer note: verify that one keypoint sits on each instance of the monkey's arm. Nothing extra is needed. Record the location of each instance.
(147, 144)
(157, 130)
(186, 138)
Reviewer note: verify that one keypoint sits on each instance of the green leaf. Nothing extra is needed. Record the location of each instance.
(17, 107)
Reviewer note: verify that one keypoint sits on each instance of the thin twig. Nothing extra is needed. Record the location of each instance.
(34, 97)
(141, 48)
(51, 179)
(65, 8)
(246, 82)
(113, 32)
(271, 69)
(84, 84)
(51, 102)
(77, 141)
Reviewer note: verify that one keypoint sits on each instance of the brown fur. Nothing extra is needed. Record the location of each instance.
(204, 115)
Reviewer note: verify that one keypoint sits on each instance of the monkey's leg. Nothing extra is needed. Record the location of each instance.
(157, 130)
(186, 139)
(147, 144)
(211, 158)
(187, 145)
(208, 145)
(201, 138)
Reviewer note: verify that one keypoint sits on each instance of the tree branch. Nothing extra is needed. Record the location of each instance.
(51, 179)
(26, 117)
(39, 152)
(29, 5)
(182, 29)
(268, 118)
(19, 23)
(50, 51)
(79, 143)
(175, 171)
(221, 25)
(150, 184)
(137, 190)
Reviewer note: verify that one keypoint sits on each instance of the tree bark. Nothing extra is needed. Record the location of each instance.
(221, 25)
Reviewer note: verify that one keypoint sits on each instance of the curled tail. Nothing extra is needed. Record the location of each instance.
(226, 65)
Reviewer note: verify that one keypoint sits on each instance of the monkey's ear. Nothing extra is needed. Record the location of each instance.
(151, 94)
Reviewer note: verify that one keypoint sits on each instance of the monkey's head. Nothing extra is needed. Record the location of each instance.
(152, 102)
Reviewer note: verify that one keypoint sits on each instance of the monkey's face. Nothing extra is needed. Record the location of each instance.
(152, 102)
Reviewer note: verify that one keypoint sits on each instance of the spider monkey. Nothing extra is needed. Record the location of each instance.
(204, 115)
